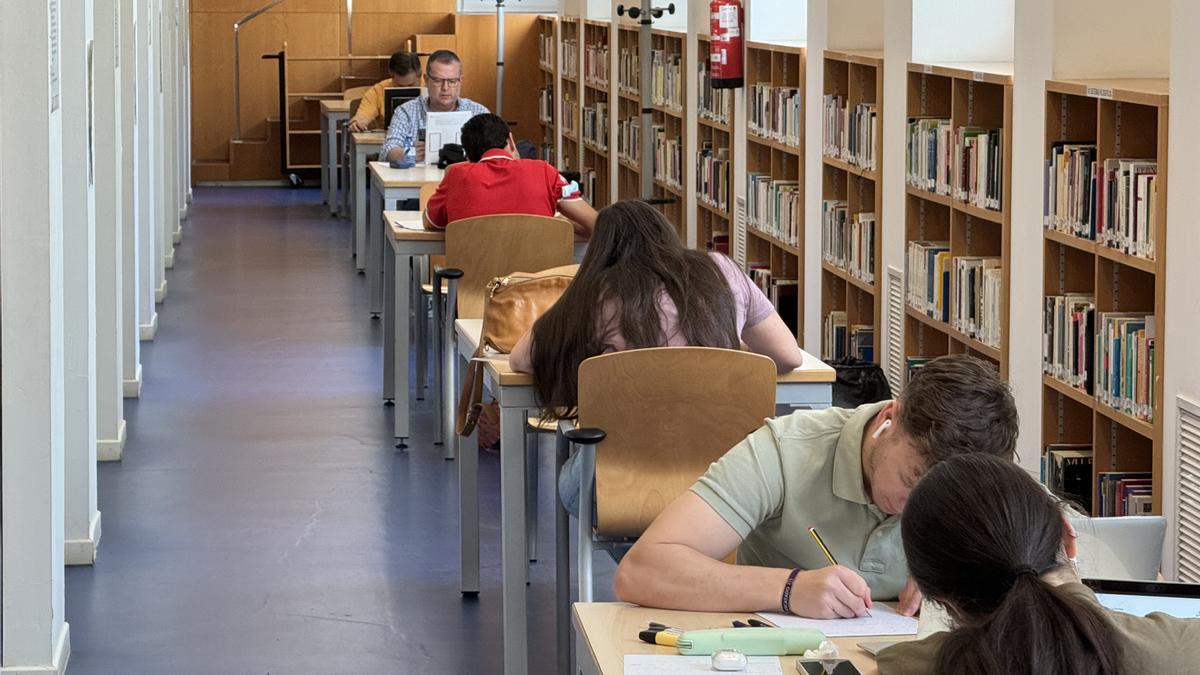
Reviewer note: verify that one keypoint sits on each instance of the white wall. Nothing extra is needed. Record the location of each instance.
(1181, 374)
(31, 343)
(855, 24)
(898, 45)
(817, 23)
(962, 30)
(777, 20)
(1111, 38)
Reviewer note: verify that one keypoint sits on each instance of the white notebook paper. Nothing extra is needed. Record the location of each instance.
(883, 621)
(660, 664)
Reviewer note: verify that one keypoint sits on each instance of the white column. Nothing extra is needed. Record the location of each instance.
(33, 638)
(145, 169)
(110, 325)
(185, 23)
(1033, 47)
(159, 148)
(897, 52)
(79, 292)
(1181, 374)
(126, 55)
(814, 170)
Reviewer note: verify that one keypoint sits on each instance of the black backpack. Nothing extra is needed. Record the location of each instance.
(451, 153)
(858, 383)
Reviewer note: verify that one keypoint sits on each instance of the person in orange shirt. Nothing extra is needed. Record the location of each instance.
(405, 69)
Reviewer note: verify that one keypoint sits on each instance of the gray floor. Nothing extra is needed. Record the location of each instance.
(261, 521)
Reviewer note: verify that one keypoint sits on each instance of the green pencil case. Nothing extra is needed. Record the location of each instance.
(750, 641)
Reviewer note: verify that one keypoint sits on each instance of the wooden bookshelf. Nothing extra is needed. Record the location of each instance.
(570, 72)
(595, 112)
(548, 46)
(714, 158)
(854, 187)
(775, 170)
(669, 87)
(1122, 119)
(628, 112)
(968, 97)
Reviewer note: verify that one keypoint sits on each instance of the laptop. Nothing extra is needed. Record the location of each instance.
(1140, 598)
(394, 97)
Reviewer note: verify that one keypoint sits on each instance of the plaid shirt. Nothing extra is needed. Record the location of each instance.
(410, 118)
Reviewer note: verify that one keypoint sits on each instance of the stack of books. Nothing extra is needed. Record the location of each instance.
(587, 183)
(834, 344)
(1067, 472)
(1068, 338)
(929, 164)
(913, 365)
(713, 104)
(835, 220)
(977, 299)
(1124, 493)
(712, 176)
(546, 104)
(668, 79)
(928, 274)
(546, 51)
(668, 157)
(595, 65)
(629, 72)
(595, 125)
(1125, 362)
(848, 243)
(977, 167)
(570, 112)
(775, 112)
(833, 120)
(570, 60)
(859, 131)
(629, 139)
(1069, 192)
(1127, 212)
(774, 207)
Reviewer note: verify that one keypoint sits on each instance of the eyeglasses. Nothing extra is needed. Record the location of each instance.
(448, 82)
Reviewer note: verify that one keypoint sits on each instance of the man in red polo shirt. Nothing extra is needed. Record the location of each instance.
(496, 181)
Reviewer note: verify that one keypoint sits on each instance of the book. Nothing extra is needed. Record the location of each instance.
(1067, 472)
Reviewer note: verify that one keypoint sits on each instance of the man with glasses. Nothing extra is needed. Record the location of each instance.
(443, 81)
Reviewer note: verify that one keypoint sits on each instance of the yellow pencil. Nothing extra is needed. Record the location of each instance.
(825, 549)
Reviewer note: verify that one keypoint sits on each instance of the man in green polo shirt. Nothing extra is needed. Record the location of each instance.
(846, 473)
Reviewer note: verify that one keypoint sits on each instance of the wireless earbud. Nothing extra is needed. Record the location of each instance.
(882, 427)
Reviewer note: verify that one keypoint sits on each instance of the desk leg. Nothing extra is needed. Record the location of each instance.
(374, 240)
(468, 513)
(390, 309)
(358, 208)
(400, 349)
(420, 322)
(514, 560)
(325, 160)
(562, 562)
(449, 399)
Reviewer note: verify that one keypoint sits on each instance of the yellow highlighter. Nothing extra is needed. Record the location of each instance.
(825, 549)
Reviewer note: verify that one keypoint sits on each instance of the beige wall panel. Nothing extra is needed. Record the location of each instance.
(404, 7)
(243, 7)
(477, 48)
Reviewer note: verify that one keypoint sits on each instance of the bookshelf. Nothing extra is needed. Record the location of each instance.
(1104, 223)
(628, 113)
(570, 72)
(851, 204)
(595, 112)
(774, 180)
(547, 64)
(957, 224)
(714, 158)
(669, 132)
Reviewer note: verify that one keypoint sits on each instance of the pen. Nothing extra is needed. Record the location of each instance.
(825, 549)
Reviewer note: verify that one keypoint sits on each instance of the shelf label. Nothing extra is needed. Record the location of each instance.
(1100, 92)
(928, 69)
(978, 76)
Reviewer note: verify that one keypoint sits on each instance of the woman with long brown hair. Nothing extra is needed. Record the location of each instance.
(639, 287)
(989, 543)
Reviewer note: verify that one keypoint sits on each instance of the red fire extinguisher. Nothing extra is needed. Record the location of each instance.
(725, 44)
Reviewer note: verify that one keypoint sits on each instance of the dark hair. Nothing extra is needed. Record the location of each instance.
(634, 257)
(403, 63)
(978, 533)
(483, 132)
(957, 404)
(443, 56)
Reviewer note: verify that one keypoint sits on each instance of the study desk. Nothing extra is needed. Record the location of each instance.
(332, 113)
(401, 298)
(809, 386)
(606, 631)
(362, 145)
(387, 188)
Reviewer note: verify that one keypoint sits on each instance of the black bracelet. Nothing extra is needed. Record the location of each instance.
(785, 601)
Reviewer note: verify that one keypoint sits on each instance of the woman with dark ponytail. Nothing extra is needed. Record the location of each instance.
(989, 543)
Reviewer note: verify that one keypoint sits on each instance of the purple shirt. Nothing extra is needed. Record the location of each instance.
(750, 307)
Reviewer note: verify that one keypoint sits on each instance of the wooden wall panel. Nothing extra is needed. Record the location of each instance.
(477, 49)
(244, 7)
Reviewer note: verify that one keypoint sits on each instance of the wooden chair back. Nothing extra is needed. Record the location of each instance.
(487, 247)
(354, 92)
(668, 414)
(354, 103)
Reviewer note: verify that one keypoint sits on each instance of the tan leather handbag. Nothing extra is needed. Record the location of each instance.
(513, 303)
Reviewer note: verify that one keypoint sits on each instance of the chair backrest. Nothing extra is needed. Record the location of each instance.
(487, 247)
(668, 414)
(354, 103)
(354, 92)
